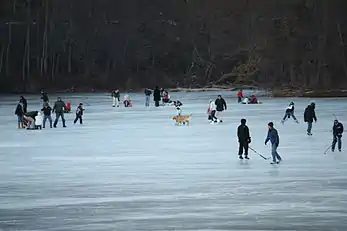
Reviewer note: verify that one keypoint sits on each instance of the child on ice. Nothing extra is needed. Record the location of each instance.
(38, 121)
(79, 113)
(289, 113)
(127, 101)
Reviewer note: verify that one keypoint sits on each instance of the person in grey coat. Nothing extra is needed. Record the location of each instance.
(59, 108)
(272, 135)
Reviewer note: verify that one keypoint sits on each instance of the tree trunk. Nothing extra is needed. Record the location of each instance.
(2, 57)
(8, 49)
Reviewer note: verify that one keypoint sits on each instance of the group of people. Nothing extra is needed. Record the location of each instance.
(244, 138)
(252, 99)
(37, 119)
(34, 120)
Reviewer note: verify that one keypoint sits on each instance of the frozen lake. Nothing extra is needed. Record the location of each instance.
(132, 169)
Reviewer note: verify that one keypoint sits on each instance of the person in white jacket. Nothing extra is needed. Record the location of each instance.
(38, 121)
(212, 112)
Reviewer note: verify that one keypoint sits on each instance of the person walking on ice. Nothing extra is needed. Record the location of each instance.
(309, 116)
(289, 113)
(115, 98)
(59, 108)
(221, 105)
(244, 138)
(272, 135)
(79, 113)
(337, 134)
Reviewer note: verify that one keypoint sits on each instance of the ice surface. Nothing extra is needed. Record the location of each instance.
(132, 169)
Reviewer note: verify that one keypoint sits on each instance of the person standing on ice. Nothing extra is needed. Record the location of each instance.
(157, 96)
(44, 97)
(240, 96)
(47, 110)
(289, 113)
(25, 104)
(59, 108)
(244, 138)
(309, 116)
(337, 134)
(19, 112)
(148, 93)
(79, 113)
(272, 135)
(115, 98)
(221, 105)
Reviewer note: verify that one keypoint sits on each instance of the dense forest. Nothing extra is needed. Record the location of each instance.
(58, 44)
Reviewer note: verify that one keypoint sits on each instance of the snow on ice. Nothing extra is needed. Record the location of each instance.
(133, 169)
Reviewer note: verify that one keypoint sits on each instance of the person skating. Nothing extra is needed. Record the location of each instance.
(221, 105)
(309, 116)
(115, 98)
(337, 134)
(240, 96)
(156, 96)
(38, 121)
(19, 112)
(289, 113)
(47, 111)
(272, 135)
(212, 112)
(178, 105)
(59, 108)
(79, 113)
(25, 104)
(244, 138)
(148, 93)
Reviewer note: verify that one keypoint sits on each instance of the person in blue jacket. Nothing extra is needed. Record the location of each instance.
(272, 135)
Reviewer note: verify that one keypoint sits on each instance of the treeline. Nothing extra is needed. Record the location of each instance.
(60, 44)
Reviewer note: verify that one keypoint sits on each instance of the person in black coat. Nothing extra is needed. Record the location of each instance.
(157, 96)
(244, 138)
(44, 97)
(221, 105)
(309, 116)
(20, 114)
(25, 104)
(337, 134)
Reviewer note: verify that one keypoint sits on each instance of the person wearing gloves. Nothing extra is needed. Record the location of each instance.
(337, 134)
(272, 135)
(244, 138)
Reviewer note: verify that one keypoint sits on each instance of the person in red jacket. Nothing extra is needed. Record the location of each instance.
(240, 96)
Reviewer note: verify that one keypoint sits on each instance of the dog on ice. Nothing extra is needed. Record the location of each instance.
(182, 119)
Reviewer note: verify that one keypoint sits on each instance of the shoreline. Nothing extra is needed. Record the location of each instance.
(275, 93)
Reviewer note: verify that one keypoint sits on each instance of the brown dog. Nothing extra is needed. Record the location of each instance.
(182, 119)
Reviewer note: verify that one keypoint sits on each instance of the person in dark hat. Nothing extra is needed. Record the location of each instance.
(309, 116)
(337, 134)
(272, 135)
(244, 138)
